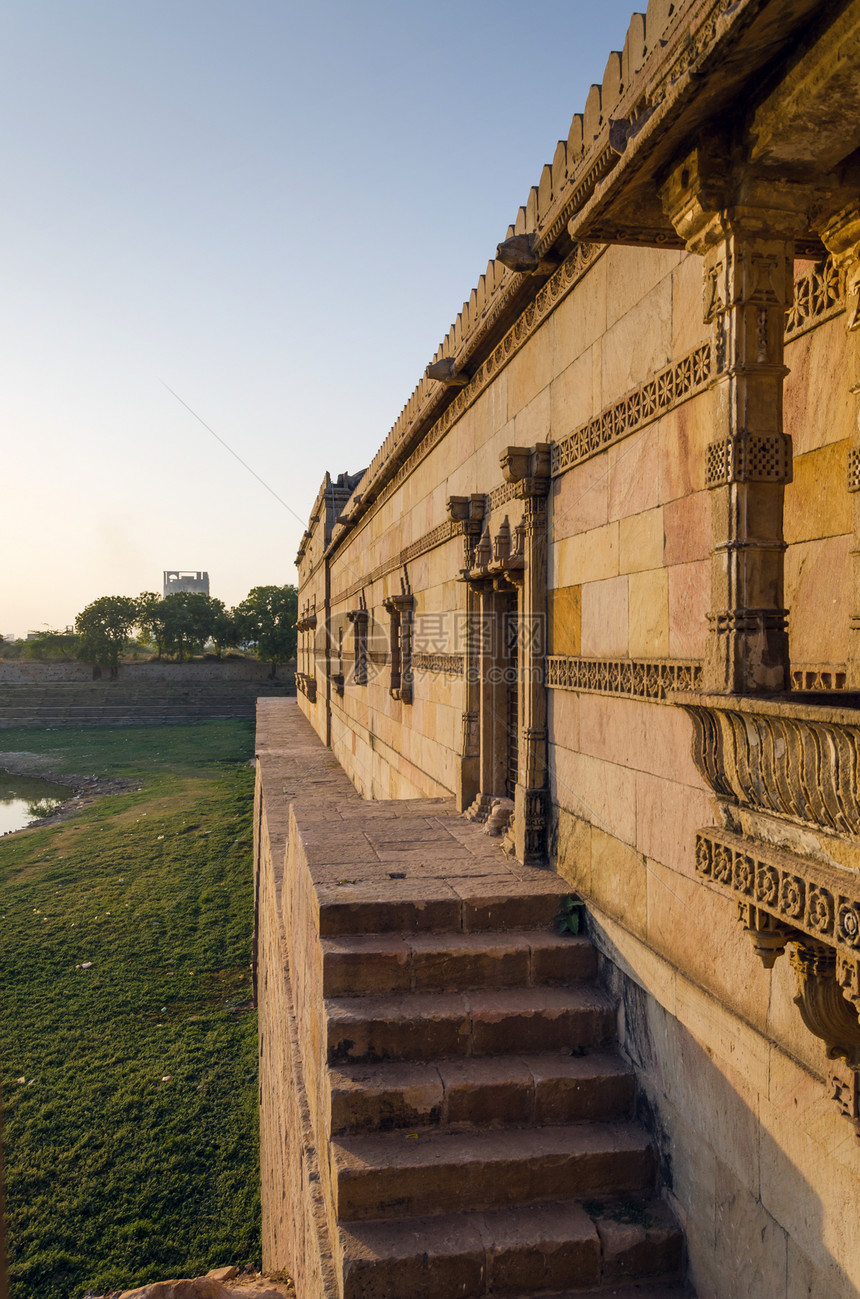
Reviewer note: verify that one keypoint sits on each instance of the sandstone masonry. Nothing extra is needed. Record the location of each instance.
(599, 591)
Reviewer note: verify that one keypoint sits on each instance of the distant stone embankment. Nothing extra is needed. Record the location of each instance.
(145, 694)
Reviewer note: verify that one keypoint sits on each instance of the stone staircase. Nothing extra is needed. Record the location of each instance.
(121, 703)
(479, 1137)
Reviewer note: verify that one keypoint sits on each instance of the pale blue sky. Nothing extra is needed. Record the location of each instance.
(275, 209)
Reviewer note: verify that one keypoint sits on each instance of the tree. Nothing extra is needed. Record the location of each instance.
(223, 631)
(188, 621)
(46, 645)
(104, 628)
(266, 619)
(150, 619)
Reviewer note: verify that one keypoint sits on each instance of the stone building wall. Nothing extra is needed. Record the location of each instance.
(678, 750)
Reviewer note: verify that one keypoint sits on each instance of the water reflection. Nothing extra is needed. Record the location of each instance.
(26, 798)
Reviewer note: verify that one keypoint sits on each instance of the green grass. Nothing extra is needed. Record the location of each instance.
(115, 1176)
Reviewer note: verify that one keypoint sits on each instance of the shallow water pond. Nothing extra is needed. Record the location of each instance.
(26, 798)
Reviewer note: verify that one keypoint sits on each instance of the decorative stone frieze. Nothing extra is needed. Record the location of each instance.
(809, 678)
(667, 389)
(818, 296)
(783, 758)
(448, 664)
(636, 678)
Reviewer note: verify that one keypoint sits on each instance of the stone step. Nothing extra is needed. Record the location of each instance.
(380, 963)
(410, 906)
(531, 1250)
(402, 1174)
(418, 1026)
(484, 1091)
(647, 1290)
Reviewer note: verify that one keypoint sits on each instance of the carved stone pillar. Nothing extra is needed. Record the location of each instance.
(841, 237)
(746, 241)
(529, 468)
(359, 618)
(467, 512)
(400, 609)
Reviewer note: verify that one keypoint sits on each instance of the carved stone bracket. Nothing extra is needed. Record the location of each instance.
(783, 900)
(307, 686)
(467, 515)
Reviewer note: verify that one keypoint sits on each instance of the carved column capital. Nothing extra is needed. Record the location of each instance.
(529, 468)
(841, 238)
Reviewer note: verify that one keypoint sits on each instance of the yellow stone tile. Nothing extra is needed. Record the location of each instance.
(640, 539)
(565, 620)
(587, 557)
(619, 881)
(816, 502)
(648, 604)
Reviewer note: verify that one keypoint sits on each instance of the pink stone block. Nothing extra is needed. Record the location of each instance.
(817, 595)
(667, 818)
(604, 617)
(655, 738)
(580, 499)
(687, 528)
(689, 602)
(634, 475)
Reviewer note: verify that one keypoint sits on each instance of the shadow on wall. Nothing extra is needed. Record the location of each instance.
(738, 1163)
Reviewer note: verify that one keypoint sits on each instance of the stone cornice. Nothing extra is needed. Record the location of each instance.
(429, 421)
(665, 55)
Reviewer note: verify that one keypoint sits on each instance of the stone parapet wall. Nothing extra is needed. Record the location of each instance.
(16, 672)
(601, 582)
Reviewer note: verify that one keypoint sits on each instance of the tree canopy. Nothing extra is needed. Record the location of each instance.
(266, 619)
(178, 625)
(104, 628)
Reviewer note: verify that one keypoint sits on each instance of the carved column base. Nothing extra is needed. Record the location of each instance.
(747, 652)
(467, 782)
(500, 817)
(480, 808)
(529, 825)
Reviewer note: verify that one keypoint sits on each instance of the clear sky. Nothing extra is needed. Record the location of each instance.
(275, 210)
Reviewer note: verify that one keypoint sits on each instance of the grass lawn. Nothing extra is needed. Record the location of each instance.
(131, 1143)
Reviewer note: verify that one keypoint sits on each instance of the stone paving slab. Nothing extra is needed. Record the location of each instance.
(360, 852)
